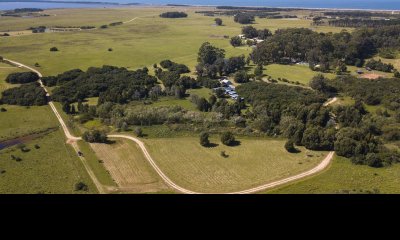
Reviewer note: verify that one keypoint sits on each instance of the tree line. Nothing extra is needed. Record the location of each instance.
(173, 15)
(327, 50)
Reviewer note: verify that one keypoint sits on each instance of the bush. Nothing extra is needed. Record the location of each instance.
(241, 77)
(204, 141)
(289, 146)
(95, 136)
(138, 132)
(3, 110)
(227, 138)
(218, 21)
(80, 186)
(53, 49)
(236, 41)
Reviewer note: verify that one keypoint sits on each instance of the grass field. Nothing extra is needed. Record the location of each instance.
(54, 168)
(254, 162)
(184, 103)
(128, 167)
(300, 73)
(18, 121)
(143, 42)
(343, 176)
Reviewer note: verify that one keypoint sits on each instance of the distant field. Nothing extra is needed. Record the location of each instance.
(254, 162)
(344, 176)
(128, 167)
(300, 73)
(143, 42)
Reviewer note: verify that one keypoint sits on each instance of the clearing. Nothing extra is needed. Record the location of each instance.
(254, 162)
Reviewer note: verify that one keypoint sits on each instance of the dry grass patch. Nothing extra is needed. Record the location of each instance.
(128, 167)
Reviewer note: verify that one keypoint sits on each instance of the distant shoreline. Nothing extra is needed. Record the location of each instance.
(194, 5)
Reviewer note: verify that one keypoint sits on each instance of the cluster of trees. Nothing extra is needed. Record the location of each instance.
(22, 77)
(326, 50)
(362, 144)
(293, 112)
(212, 62)
(28, 94)
(299, 115)
(379, 65)
(174, 67)
(62, 78)
(122, 116)
(361, 136)
(109, 83)
(218, 104)
(175, 84)
(357, 14)
(236, 41)
(227, 138)
(95, 136)
(40, 29)
(357, 23)
(244, 18)
(380, 91)
(173, 15)
(252, 32)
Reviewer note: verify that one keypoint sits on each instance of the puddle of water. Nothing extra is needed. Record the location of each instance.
(24, 139)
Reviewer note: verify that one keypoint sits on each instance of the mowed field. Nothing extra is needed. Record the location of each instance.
(142, 42)
(343, 177)
(254, 162)
(128, 167)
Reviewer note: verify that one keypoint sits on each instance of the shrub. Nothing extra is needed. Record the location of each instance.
(80, 186)
(227, 138)
(204, 141)
(138, 132)
(289, 146)
(93, 136)
(53, 49)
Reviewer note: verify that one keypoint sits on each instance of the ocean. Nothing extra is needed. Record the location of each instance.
(338, 4)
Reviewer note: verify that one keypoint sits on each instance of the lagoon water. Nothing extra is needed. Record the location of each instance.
(344, 4)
